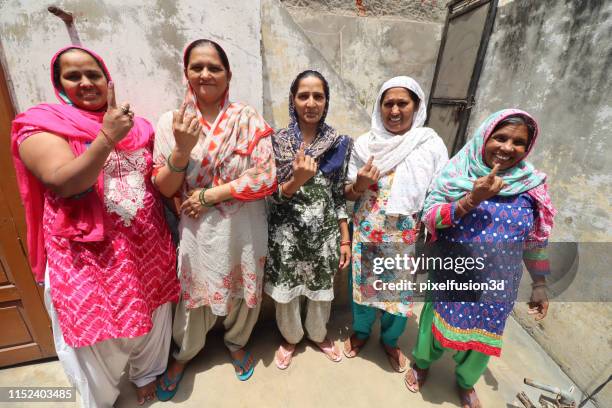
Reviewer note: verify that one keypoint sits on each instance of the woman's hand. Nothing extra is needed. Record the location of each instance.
(186, 129)
(538, 304)
(192, 207)
(345, 256)
(304, 167)
(486, 187)
(117, 121)
(366, 176)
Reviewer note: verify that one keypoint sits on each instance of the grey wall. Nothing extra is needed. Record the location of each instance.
(420, 10)
(553, 59)
(141, 42)
(366, 51)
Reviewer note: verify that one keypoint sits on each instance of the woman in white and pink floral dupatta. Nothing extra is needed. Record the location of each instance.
(217, 156)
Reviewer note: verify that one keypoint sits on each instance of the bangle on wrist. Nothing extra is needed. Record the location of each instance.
(356, 191)
(203, 200)
(343, 243)
(109, 141)
(539, 285)
(173, 168)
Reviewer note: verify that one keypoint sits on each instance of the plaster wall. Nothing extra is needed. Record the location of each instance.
(142, 44)
(552, 58)
(366, 51)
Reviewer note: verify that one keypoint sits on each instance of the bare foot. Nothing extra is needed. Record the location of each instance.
(174, 370)
(145, 393)
(239, 355)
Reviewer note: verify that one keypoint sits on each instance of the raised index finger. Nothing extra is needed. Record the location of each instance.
(494, 171)
(368, 165)
(110, 97)
(300, 152)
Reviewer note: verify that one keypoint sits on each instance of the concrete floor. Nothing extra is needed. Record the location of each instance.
(312, 380)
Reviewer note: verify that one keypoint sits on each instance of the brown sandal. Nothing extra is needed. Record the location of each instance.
(469, 398)
(417, 379)
(350, 349)
(401, 363)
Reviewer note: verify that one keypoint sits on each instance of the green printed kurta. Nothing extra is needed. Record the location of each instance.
(304, 240)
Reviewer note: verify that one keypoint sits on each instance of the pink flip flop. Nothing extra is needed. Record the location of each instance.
(329, 349)
(285, 354)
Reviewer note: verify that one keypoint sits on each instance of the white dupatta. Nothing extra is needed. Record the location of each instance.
(417, 156)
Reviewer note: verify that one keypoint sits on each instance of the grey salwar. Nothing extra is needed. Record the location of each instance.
(192, 325)
(289, 320)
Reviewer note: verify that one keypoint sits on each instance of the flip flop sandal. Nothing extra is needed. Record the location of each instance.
(419, 377)
(167, 395)
(398, 366)
(469, 398)
(328, 350)
(240, 364)
(284, 353)
(351, 349)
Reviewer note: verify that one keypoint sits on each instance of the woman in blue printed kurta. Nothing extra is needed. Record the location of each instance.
(489, 203)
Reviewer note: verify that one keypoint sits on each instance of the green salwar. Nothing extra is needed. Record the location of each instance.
(470, 364)
(391, 325)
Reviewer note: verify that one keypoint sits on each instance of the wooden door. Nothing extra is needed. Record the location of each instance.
(462, 50)
(25, 328)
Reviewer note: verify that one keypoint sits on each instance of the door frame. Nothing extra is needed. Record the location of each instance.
(22, 291)
(457, 8)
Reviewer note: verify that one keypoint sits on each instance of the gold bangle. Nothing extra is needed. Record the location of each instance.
(173, 168)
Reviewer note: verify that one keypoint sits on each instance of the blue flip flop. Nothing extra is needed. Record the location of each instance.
(240, 364)
(167, 395)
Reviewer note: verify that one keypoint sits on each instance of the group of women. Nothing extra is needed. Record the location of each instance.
(259, 211)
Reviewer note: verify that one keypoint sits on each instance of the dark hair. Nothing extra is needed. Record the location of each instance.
(202, 43)
(413, 96)
(311, 73)
(516, 120)
(56, 66)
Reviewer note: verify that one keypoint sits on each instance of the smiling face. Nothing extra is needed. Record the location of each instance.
(309, 101)
(397, 110)
(82, 80)
(506, 146)
(206, 74)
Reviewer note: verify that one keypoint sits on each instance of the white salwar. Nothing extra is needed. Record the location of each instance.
(96, 370)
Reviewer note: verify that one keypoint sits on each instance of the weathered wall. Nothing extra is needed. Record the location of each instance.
(421, 10)
(553, 58)
(286, 51)
(142, 46)
(366, 51)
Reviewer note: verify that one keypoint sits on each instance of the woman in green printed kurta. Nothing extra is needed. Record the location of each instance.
(308, 235)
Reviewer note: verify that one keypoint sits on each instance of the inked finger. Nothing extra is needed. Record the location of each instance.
(494, 171)
(368, 165)
(110, 96)
(181, 112)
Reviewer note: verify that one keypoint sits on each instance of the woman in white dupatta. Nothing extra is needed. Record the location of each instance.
(390, 171)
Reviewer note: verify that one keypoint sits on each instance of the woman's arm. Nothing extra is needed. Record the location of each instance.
(185, 131)
(51, 160)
